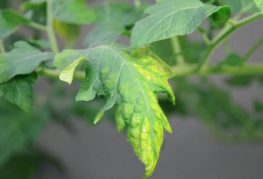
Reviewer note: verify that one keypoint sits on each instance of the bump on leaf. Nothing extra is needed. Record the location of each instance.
(131, 83)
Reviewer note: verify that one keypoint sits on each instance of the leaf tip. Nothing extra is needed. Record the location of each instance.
(64, 77)
(98, 118)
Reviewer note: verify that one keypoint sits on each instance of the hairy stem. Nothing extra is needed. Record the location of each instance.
(253, 49)
(50, 29)
(223, 36)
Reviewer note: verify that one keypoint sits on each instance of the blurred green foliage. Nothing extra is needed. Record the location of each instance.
(112, 24)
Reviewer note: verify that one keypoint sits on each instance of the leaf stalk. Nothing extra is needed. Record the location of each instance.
(223, 36)
(38, 26)
(177, 51)
(50, 29)
(253, 49)
(179, 71)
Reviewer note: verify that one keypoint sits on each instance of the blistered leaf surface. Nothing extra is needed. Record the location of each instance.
(131, 82)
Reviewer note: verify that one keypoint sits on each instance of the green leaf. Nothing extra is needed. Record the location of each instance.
(36, 11)
(259, 4)
(192, 50)
(219, 19)
(131, 82)
(215, 107)
(72, 11)
(170, 18)
(26, 164)
(10, 21)
(18, 129)
(19, 91)
(232, 60)
(164, 50)
(23, 59)
(19, 167)
(103, 34)
(67, 11)
(7, 28)
(4, 4)
(240, 81)
(113, 21)
(258, 106)
(123, 14)
(241, 6)
(68, 32)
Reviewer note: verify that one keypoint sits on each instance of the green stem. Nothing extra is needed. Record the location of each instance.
(2, 47)
(253, 49)
(38, 26)
(50, 30)
(224, 35)
(249, 69)
(189, 70)
(177, 50)
(204, 35)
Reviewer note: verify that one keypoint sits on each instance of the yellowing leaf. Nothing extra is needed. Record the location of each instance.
(68, 73)
(131, 82)
(68, 32)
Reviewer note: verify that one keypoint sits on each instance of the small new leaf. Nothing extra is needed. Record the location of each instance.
(170, 18)
(232, 60)
(23, 59)
(67, 74)
(131, 82)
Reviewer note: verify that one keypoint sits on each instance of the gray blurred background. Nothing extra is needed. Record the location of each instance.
(191, 152)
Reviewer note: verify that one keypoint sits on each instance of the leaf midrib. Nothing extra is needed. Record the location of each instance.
(170, 14)
(150, 117)
(145, 101)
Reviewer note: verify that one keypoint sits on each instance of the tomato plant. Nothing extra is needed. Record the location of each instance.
(126, 59)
